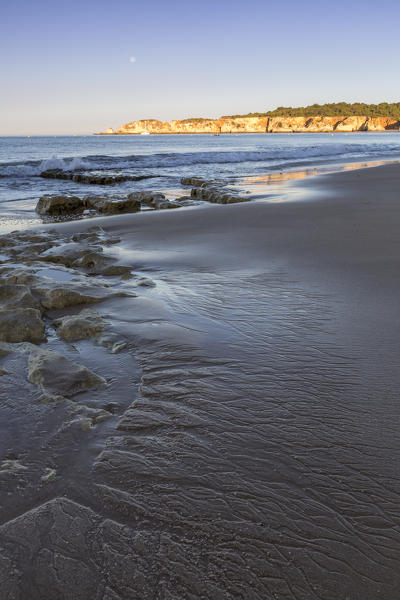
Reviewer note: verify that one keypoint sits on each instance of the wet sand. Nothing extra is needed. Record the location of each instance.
(252, 450)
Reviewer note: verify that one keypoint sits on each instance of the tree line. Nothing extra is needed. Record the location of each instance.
(334, 109)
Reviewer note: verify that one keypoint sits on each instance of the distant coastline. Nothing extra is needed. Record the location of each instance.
(315, 118)
(259, 124)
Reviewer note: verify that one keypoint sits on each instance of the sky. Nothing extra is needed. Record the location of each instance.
(83, 66)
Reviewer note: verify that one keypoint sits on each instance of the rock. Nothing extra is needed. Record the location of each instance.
(56, 174)
(217, 195)
(17, 296)
(89, 237)
(22, 325)
(20, 276)
(91, 178)
(78, 327)
(210, 191)
(28, 251)
(153, 199)
(67, 254)
(110, 206)
(193, 181)
(112, 343)
(146, 282)
(96, 179)
(53, 205)
(352, 124)
(167, 204)
(116, 270)
(159, 202)
(7, 241)
(184, 200)
(146, 197)
(145, 126)
(55, 374)
(62, 297)
(91, 260)
(260, 124)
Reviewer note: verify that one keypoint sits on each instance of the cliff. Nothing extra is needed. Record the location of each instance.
(318, 124)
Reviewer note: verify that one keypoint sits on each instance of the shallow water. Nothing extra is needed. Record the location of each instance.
(56, 274)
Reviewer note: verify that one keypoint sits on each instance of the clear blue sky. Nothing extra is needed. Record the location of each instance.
(65, 66)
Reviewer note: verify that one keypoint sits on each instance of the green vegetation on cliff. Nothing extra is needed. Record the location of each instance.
(195, 120)
(337, 109)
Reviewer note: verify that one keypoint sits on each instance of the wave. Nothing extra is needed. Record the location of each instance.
(32, 169)
(180, 159)
(271, 157)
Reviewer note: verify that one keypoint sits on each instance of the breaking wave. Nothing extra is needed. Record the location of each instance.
(33, 169)
(273, 157)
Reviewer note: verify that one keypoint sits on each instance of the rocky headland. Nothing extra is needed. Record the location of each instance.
(316, 124)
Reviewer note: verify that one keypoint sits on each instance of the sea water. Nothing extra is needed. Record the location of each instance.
(169, 158)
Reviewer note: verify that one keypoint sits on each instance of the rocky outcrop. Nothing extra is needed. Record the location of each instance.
(58, 376)
(84, 325)
(244, 125)
(145, 126)
(316, 124)
(91, 178)
(67, 206)
(211, 191)
(113, 206)
(54, 205)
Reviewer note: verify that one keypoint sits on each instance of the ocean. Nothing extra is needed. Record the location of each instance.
(168, 158)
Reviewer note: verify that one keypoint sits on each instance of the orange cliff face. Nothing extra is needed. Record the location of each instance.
(145, 126)
(318, 124)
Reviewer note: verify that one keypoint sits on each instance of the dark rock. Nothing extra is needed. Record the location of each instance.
(84, 325)
(66, 254)
(194, 181)
(59, 205)
(111, 206)
(91, 178)
(15, 295)
(22, 325)
(217, 195)
(56, 374)
(62, 297)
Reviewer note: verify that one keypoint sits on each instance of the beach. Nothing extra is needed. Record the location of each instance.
(235, 432)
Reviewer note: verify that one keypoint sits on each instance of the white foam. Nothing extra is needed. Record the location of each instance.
(275, 155)
(65, 164)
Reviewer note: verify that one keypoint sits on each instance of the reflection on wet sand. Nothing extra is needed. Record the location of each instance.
(269, 185)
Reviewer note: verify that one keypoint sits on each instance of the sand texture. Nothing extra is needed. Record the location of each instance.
(214, 413)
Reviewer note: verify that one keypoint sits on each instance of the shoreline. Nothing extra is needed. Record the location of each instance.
(255, 401)
(275, 185)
